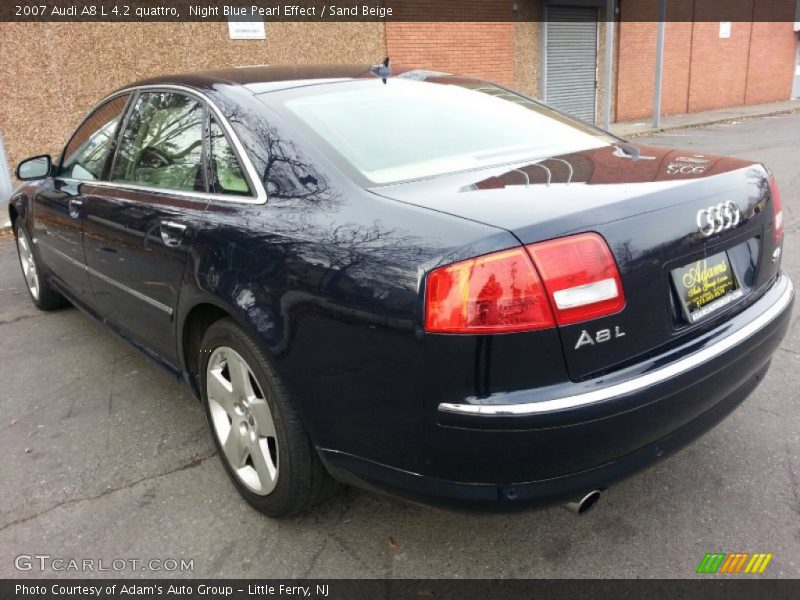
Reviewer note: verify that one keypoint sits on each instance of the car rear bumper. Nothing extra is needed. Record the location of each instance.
(537, 448)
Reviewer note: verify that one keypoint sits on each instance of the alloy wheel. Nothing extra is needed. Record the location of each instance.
(242, 420)
(28, 264)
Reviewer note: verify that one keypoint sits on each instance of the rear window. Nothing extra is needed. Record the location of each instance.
(407, 129)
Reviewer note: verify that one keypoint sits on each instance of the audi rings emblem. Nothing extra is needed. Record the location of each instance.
(719, 217)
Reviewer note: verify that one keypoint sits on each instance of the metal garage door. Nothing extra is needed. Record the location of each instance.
(571, 65)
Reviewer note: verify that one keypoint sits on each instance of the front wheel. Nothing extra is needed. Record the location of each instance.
(42, 294)
(263, 446)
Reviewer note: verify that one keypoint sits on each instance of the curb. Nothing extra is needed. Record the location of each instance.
(712, 121)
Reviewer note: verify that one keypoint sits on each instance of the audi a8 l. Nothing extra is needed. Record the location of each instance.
(415, 282)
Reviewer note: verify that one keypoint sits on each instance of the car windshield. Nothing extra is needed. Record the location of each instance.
(409, 129)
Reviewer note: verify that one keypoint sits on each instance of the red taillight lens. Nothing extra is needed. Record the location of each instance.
(777, 209)
(574, 279)
(496, 293)
(581, 277)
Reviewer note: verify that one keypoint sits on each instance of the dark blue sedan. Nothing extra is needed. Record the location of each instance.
(415, 282)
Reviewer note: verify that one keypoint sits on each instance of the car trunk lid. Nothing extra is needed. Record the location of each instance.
(662, 214)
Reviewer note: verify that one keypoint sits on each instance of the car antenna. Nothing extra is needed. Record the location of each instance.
(382, 70)
(630, 149)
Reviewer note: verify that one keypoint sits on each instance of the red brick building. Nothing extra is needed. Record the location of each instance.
(708, 64)
(701, 70)
(552, 49)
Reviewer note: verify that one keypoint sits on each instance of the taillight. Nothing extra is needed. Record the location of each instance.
(777, 209)
(580, 276)
(496, 293)
(574, 279)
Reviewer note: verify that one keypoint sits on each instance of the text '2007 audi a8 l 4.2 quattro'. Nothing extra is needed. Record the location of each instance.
(418, 283)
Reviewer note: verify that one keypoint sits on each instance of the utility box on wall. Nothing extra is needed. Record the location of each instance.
(5, 184)
(796, 85)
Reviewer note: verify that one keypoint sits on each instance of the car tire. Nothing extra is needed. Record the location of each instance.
(36, 281)
(258, 434)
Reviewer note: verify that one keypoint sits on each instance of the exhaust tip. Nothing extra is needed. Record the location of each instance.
(584, 504)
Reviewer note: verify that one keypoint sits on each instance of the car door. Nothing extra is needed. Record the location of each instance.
(141, 220)
(59, 204)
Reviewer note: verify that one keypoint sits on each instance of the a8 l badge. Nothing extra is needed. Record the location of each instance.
(599, 337)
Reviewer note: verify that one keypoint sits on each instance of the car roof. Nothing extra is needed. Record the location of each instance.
(264, 78)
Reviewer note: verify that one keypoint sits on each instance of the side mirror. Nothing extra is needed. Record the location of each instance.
(37, 167)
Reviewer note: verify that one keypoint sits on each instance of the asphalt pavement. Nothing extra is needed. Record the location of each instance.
(105, 457)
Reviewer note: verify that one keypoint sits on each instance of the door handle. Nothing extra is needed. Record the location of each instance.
(172, 233)
(74, 207)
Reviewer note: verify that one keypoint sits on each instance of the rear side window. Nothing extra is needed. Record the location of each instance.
(86, 153)
(162, 143)
(227, 175)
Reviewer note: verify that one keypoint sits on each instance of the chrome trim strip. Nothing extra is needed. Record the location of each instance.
(131, 291)
(638, 383)
(244, 158)
(173, 225)
(114, 282)
(66, 257)
(153, 190)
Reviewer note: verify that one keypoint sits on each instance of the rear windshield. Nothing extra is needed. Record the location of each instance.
(407, 129)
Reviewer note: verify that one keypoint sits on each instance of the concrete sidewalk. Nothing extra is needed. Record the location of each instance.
(629, 129)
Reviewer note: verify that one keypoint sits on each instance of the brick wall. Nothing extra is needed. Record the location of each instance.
(636, 69)
(484, 49)
(771, 65)
(701, 70)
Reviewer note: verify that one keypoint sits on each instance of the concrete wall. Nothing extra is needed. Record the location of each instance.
(527, 47)
(52, 73)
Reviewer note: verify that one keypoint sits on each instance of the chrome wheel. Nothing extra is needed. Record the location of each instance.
(28, 263)
(242, 420)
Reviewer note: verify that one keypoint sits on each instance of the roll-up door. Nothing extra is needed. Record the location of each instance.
(572, 60)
